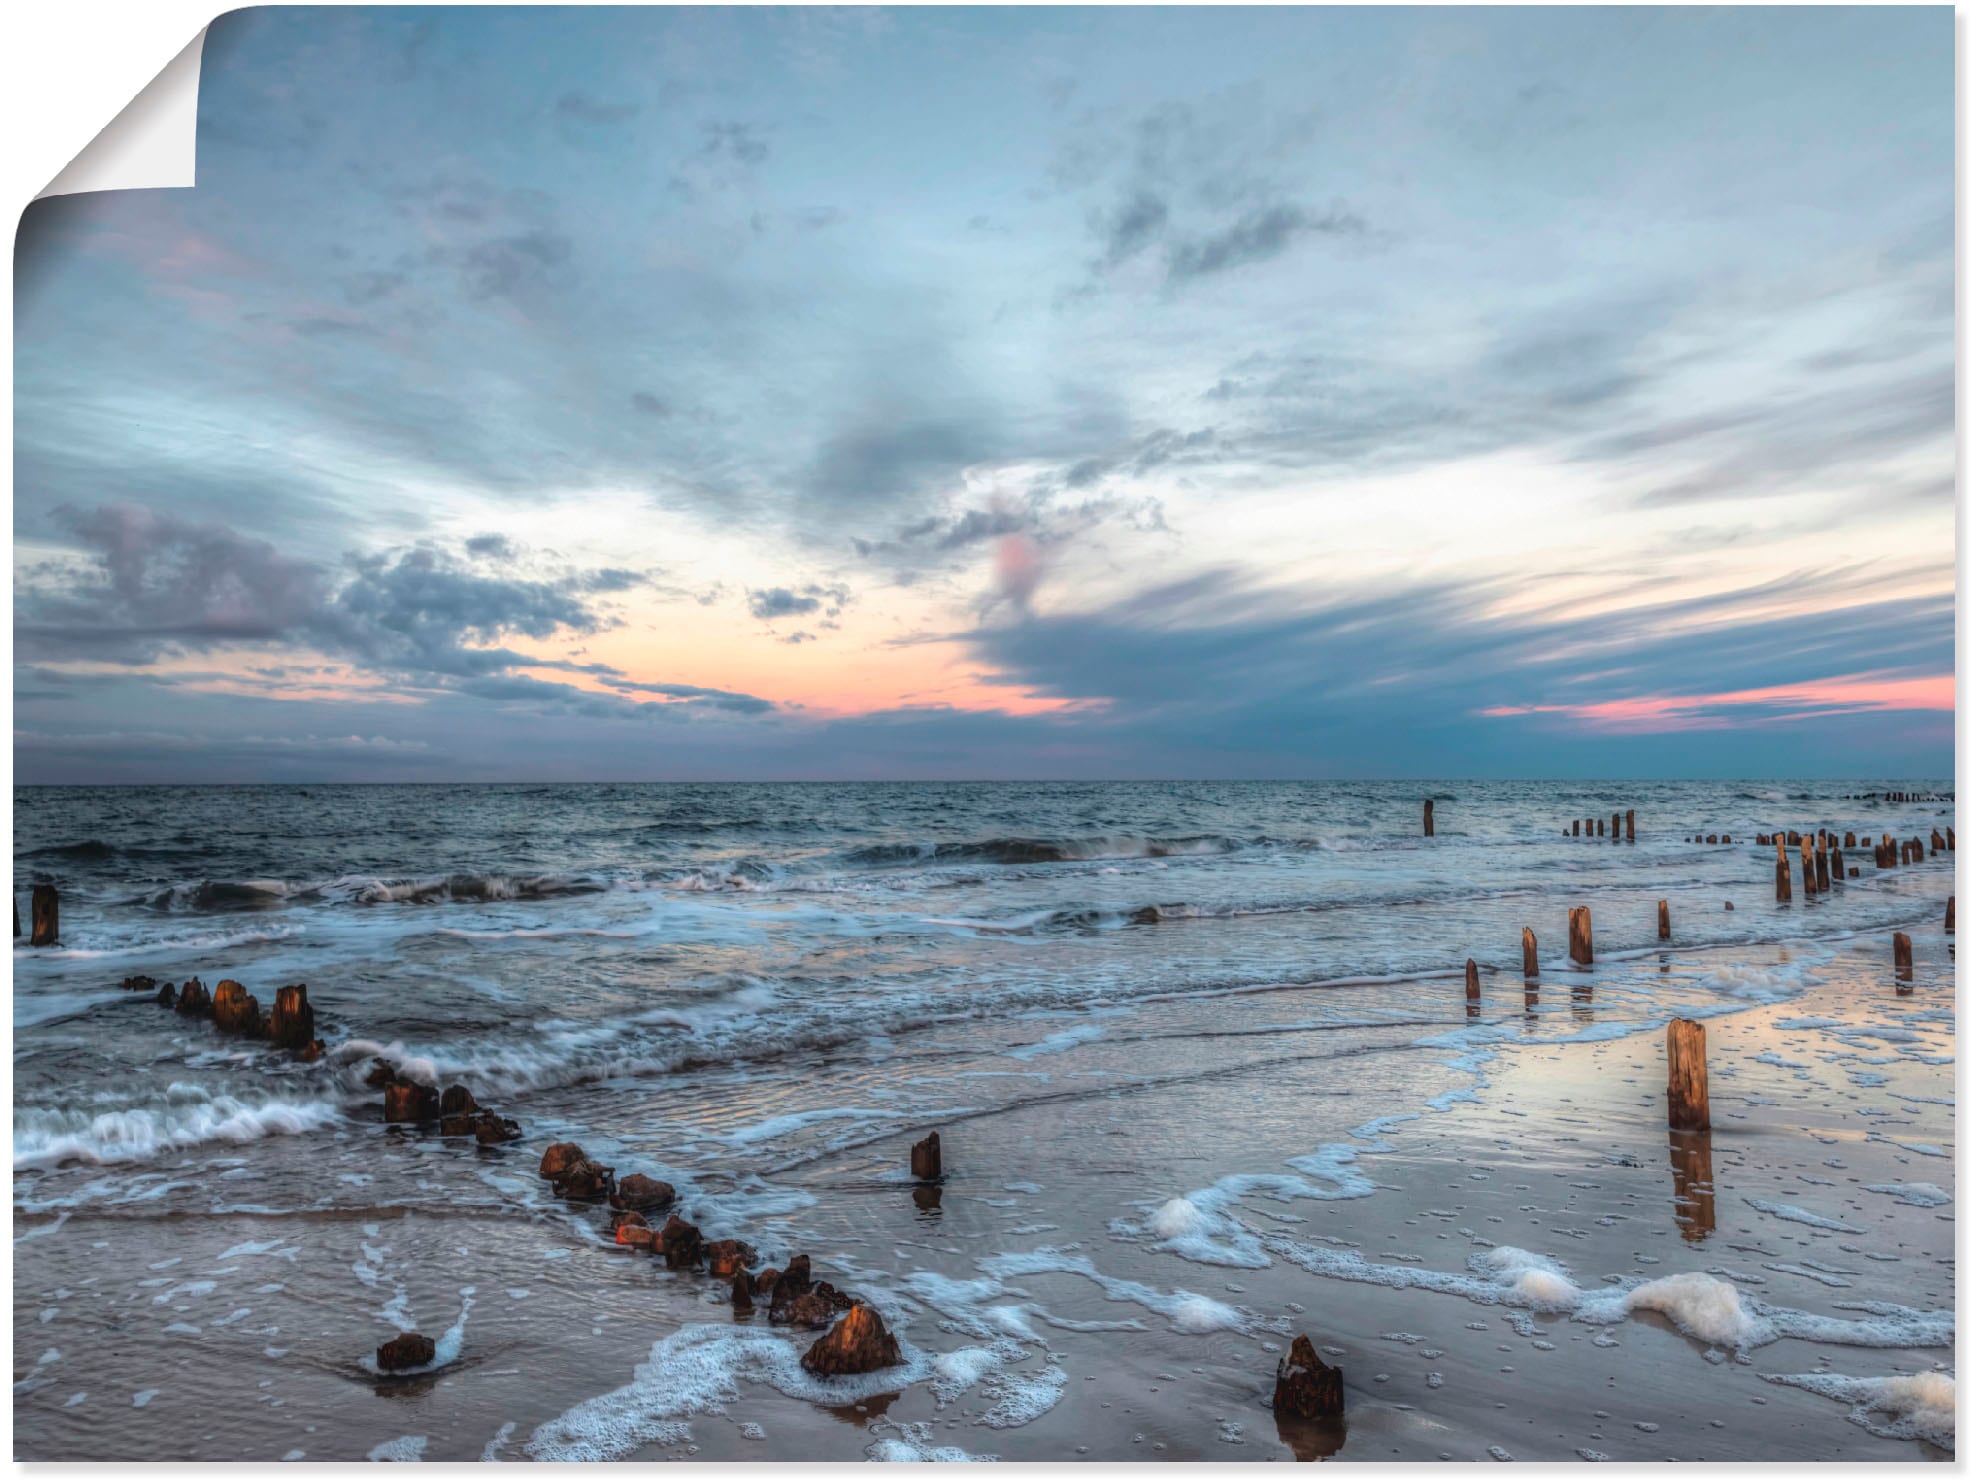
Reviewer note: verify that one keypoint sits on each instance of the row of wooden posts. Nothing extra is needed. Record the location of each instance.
(1823, 858)
(1580, 827)
(1686, 1040)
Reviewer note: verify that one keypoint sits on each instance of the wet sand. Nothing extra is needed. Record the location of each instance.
(1058, 1302)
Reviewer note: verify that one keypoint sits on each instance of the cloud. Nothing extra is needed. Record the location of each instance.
(146, 587)
(582, 108)
(1256, 237)
(779, 601)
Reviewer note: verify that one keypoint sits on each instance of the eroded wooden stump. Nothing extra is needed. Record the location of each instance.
(45, 916)
(1529, 969)
(1580, 951)
(1902, 956)
(1686, 1076)
(925, 1159)
(1305, 1385)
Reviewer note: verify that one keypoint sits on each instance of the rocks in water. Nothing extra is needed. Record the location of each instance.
(138, 983)
(234, 1010)
(791, 1282)
(726, 1257)
(406, 1351)
(559, 1158)
(291, 1021)
(811, 1308)
(490, 1129)
(406, 1102)
(194, 1000)
(637, 1234)
(1305, 1385)
(764, 1280)
(585, 1181)
(167, 995)
(743, 1294)
(857, 1343)
(642, 1194)
(45, 908)
(925, 1159)
(678, 1241)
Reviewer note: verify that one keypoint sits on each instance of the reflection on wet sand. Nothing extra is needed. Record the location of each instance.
(1311, 1438)
(859, 1414)
(1692, 1183)
(926, 1196)
(1580, 1002)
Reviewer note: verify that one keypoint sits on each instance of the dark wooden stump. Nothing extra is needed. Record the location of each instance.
(1305, 1385)
(1429, 816)
(857, 1343)
(45, 916)
(235, 1010)
(1686, 1076)
(1473, 981)
(1902, 956)
(1580, 951)
(925, 1159)
(1630, 826)
(1529, 968)
(1949, 914)
(1665, 921)
(291, 1021)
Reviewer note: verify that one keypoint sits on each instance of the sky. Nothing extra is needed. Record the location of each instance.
(697, 394)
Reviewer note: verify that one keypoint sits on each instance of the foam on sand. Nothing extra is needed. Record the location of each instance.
(1920, 1406)
(697, 1370)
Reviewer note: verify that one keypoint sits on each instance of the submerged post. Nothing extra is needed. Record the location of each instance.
(1528, 945)
(1473, 981)
(1902, 956)
(1949, 916)
(1686, 1076)
(925, 1159)
(1580, 934)
(1429, 816)
(1665, 921)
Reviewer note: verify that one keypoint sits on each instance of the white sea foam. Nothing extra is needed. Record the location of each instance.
(191, 1116)
(1916, 1194)
(694, 1371)
(401, 1451)
(1918, 1406)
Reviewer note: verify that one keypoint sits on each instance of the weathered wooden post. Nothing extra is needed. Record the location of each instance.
(1665, 921)
(1850, 840)
(1305, 1385)
(1529, 969)
(1837, 864)
(1782, 880)
(1580, 934)
(1615, 820)
(1429, 816)
(45, 911)
(1686, 1076)
(1473, 981)
(1630, 825)
(1822, 870)
(1949, 915)
(1600, 827)
(1902, 956)
(1576, 827)
(925, 1159)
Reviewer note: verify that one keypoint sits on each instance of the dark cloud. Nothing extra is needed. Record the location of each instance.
(1132, 227)
(582, 108)
(146, 587)
(779, 601)
(1255, 237)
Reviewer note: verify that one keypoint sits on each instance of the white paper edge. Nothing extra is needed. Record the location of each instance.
(152, 144)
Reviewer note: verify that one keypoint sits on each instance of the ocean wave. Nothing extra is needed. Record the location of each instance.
(1043, 850)
(188, 1116)
(218, 896)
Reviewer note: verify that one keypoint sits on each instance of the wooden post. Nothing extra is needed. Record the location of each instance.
(1615, 820)
(925, 1159)
(1850, 840)
(45, 908)
(1822, 871)
(1902, 956)
(1630, 825)
(1473, 981)
(1809, 878)
(1686, 1076)
(1665, 921)
(1949, 916)
(1837, 864)
(1580, 934)
(1576, 827)
(1429, 816)
(1600, 827)
(1529, 969)
(1782, 880)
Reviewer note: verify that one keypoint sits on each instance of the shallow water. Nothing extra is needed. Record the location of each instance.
(1198, 1052)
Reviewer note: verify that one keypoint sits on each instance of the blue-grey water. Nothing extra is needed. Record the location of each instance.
(764, 992)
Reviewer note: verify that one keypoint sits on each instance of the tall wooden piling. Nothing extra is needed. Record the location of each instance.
(45, 912)
(1473, 981)
(1600, 827)
(1576, 827)
(1686, 1076)
(1822, 871)
(1782, 880)
(1528, 946)
(1429, 816)
(1630, 825)
(1615, 820)
(1837, 864)
(1902, 956)
(1665, 921)
(1580, 951)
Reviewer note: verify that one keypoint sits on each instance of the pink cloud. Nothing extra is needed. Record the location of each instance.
(1849, 694)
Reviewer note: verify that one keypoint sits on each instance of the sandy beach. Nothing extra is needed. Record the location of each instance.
(1481, 1218)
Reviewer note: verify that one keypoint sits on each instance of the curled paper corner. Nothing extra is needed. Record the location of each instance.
(152, 144)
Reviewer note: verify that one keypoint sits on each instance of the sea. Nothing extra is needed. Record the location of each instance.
(1111, 999)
